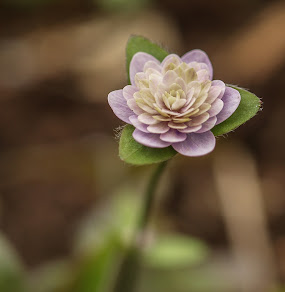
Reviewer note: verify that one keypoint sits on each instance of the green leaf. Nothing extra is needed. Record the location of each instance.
(248, 107)
(175, 251)
(97, 270)
(12, 274)
(140, 44)
(134, 153)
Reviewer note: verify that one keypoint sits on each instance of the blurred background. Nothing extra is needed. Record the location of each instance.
(68, 205)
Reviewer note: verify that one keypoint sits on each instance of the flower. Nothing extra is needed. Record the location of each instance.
(174, 102)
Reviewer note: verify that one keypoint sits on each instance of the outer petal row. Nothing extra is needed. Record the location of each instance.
(196, 144)
(193, 145)
(119, 105)
(231, 100)
(149, 139)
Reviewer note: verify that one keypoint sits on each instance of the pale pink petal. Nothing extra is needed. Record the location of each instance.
(200, 100)
(216, 107)
(173, 136)
(169, 77)
(182, 83)
(178, 104)
(140, 80)
(152, 65)
(202, 109)
(119, 105)
(134, 107)
(187, 113)
(169, 112)
(144, 106)
(190, 129)
(199, 120)
(147, 119)
(208, 125)
(177, 126)
(204, 66)
(149, 140)
(213, 94)
(203, 75)
(128, 91)
(200, 57)
(171, 58)
(231, 101)
(159, 128)
(158, 100)
(221, 84)
(196, 144)
(150, 71)
(196, 66)
(137, 124)
(154, 82)
(137, 64)
(189, 96)
(189, 105)
(197, 88)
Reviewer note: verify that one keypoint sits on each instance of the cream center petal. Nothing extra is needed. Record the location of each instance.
(174, 93)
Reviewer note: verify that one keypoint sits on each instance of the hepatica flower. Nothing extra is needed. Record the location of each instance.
(174, 102)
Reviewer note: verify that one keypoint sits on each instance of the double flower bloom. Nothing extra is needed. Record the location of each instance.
(174, 102)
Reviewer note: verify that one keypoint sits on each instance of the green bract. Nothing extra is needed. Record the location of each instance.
(134, 153)
(247, 109)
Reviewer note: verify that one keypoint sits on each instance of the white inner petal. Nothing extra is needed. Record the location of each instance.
(175, 95)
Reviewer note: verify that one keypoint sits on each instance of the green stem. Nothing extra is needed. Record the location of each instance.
(130, 267)
(150, 196)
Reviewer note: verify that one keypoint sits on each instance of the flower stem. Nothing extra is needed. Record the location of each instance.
(150, 196)
(130, 267)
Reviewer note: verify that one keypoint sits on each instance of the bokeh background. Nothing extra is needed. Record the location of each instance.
(68, 204)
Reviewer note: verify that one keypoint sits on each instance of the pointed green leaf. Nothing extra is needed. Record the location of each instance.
(140, 44)
(248, 108)
(134, 153)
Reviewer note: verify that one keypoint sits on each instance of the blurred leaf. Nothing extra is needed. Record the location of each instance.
(140, 44)
(102, 241)
(116, 216)
(51, 277)
(135, 153)
(248, 107)
(12, 278)
(97, 271)
(175, 251)
(200, 279)
(121, 5)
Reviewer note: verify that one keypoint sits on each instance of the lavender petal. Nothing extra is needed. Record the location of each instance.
(119, 105)
(149, 140)
(137, 64)
(173, 136)
(231, 101)
(196, 144)
(200, 57)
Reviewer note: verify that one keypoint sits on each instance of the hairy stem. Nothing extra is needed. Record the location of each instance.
(130, 267)
(150, 196)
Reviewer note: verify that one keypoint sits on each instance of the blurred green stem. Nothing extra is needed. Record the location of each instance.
(130, 267)
(150, 196)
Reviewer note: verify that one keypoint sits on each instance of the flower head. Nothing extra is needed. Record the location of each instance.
(174, 102)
